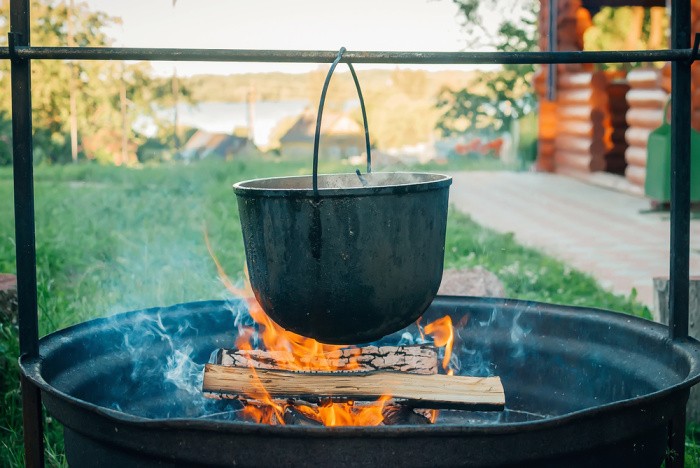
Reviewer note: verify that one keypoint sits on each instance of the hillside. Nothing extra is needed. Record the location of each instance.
(290, 86)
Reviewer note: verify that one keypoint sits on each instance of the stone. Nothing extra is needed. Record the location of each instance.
(475, 282)
(8, 298)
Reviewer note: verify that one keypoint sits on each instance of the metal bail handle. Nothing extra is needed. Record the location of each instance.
(317, 135)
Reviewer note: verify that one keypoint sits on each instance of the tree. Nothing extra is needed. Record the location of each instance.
(102, 86)
(494, 99)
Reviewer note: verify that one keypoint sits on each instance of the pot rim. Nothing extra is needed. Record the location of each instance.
(247, 188)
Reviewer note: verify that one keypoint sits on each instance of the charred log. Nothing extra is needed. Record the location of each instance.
(418, 359)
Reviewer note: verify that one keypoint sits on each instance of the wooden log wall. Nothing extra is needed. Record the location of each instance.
(586, 123)
(646, 99)
(649, 91)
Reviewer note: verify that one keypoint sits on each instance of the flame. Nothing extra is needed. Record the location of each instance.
(307, 354)
(443, 335)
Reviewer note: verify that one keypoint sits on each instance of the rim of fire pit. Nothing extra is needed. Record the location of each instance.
(689, 347)
(342, 185)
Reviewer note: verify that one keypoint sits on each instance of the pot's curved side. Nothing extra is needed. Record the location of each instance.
(345, 269)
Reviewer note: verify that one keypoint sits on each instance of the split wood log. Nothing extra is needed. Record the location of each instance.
(425, 391)
(415, 359)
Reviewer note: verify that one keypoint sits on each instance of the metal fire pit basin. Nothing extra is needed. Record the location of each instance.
(584, 387)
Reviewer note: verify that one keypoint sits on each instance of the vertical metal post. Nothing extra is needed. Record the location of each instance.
(680, 206)
(680, 174)
(552, 41)
(24, 227)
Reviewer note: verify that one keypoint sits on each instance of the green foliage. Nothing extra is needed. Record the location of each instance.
(100, 87)
(494, 99)
(611, 30)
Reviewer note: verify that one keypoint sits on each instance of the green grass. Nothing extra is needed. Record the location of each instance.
(115, 239)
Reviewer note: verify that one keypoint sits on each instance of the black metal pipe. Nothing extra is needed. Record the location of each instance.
(24, 228)
(680, 206)
(327, 56)
(552, 43)
(680, 175)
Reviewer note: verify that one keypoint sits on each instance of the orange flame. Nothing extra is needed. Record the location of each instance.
(307, 354)
(443, 335)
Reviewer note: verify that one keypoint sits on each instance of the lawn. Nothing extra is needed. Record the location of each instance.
(115, 239)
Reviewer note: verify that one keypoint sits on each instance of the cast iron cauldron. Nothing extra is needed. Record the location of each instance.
(350, 264)
(344, 258)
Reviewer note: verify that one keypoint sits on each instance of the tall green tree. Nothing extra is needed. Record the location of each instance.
(101, 88)
(493, 99)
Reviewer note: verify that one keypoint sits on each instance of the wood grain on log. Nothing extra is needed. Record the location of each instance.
(416, 359)
(436, 390)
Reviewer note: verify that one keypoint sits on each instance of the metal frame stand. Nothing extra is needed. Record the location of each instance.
(20, 53)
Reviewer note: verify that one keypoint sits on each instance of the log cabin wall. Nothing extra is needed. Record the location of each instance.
(599, 122)
(646, 99)
(576, 130)
(650, 89)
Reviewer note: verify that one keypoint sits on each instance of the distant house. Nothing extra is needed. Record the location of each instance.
(203, 144)
(341, 137)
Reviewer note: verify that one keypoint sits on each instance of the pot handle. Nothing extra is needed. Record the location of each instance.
(317, 135)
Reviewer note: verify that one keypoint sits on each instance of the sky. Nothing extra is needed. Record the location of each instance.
(398, 25)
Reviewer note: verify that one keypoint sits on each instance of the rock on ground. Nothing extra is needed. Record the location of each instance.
(8, 298)
(477, 282)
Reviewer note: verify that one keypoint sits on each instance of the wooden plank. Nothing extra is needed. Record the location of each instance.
(576, 80)
(636, 174)
(647, 118)
(436, 391)
(416, 359)
(644, 78)
(637, 136)
(636, 156)
(582, 129)
(647, 98)
(576, 112)
(576, 96)
(578, 162)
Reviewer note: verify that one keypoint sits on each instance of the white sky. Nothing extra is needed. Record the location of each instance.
(400, 25)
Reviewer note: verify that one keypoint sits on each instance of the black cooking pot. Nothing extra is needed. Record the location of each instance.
(345, 258)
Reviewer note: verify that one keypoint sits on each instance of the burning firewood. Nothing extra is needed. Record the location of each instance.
(432, 391)
(418, 359)
(399, 414)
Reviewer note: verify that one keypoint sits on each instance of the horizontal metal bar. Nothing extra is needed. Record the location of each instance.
(327, 56)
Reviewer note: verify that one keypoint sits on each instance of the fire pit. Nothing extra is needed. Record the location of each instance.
(583, 387)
